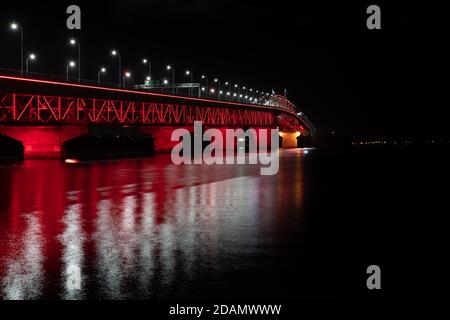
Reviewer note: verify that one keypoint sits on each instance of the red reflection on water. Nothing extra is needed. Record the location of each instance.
(132, 227)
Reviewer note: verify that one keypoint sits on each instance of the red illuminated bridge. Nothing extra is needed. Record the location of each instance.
(44, 114)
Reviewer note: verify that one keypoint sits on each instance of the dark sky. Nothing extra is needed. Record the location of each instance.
(343, 76)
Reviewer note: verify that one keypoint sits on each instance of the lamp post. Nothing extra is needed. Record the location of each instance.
(170, 68)
(206, 83)
(217, 81)
(71, 64)
(116, 53)
(147, 61)
(165, 82)
(228, 85)
(31, 56)
(102, 70)
(126, 75)
(148, 80)
(75, 42)
(189, 74)
(15, 26)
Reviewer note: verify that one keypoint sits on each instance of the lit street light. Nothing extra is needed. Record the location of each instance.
(125, 77)
(217, 81)
(71, 64)
(170, 68)
(31, 57)
(14, 27)
(147, 61)
(72, 43)
(102, 70)
(205, 78)
(189, 73)
(115, 53)
(165, 82)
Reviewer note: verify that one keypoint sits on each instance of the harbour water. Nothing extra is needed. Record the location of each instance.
(147, 229)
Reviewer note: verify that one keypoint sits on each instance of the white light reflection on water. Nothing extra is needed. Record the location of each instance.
(24, 276)
(72, 240)
(109, 272)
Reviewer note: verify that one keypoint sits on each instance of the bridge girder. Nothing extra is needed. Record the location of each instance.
(38, 109)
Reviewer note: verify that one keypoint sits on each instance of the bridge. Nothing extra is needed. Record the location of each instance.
(44, 114)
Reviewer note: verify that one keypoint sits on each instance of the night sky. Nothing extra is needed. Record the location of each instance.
(346, 78)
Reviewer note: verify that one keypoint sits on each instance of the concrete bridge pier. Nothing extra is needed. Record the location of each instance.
(289, 139)
(162, 137)
(43, 142)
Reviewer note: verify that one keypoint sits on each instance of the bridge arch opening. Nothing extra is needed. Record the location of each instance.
(108, 145)
(10, 148)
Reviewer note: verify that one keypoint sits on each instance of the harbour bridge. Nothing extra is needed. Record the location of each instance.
(44, 114)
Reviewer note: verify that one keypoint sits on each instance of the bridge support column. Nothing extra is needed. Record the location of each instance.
(289, 139)
(162, 137)
(43, 142)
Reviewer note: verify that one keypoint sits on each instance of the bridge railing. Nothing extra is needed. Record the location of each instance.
(165, 89)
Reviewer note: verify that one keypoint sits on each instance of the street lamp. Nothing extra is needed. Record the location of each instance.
(170, 68)
(71, 64)
(165, 82)
(31, 56)
(115, 53)
(147, 61)
(102, 70)
(126, 75)
(14, 26)
(189, 73)
(72, 43)
(217, 81)
(205, 78)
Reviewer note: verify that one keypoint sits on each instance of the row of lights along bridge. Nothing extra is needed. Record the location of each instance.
(211, 89)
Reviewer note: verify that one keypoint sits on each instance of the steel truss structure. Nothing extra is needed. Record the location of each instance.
(39, 109)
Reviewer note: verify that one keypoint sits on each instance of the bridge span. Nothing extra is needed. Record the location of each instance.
(43, 114)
